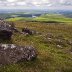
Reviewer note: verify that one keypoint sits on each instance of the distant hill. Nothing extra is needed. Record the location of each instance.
(37, 15)
(49, 18)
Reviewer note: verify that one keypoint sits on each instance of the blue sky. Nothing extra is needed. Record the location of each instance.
(36, 4)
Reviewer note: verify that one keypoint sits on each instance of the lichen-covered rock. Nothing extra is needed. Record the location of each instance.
(6, 29)
(29, 31)
(11, 53)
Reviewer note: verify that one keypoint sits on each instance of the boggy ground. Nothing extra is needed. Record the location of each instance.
(54, 46)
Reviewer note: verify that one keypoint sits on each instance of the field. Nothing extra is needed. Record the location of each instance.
(44, 18)
(52, 56)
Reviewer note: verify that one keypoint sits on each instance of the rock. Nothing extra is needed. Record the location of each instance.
(16, 30)
(1, 18)
(69, 42)
(59, 46)
(29, 31)
(49, 38)
(4, 34)
(6, 29)
(11, 53)
(60, 42)
(50, 35)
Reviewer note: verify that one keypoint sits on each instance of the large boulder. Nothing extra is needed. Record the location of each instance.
(6, 29)
(11, 53)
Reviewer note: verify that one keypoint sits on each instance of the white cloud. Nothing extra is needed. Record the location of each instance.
(21, 3)
(12, 4)
(11, 0)
(42, 3)
(36, 3)
(61, 1)
(49, 5)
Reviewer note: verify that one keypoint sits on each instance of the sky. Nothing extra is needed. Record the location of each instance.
(36, 4)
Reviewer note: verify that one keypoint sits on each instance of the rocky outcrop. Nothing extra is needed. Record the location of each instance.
(11, 53)
(6, 29)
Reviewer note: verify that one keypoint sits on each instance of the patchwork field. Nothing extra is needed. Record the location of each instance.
(53, 43)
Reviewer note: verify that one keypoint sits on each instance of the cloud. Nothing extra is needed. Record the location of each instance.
(11, 0)
(21, 3)
(36, 3)
(61, 1)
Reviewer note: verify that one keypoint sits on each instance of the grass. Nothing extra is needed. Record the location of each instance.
(44, 18)
(19, 19)
(50, 58)
(53, 17)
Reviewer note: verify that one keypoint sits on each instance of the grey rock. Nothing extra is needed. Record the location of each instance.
(29, 31)
(1, 18)
(59, 46)
(6, 29)
(11, 53)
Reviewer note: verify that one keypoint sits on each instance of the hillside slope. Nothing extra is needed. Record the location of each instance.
(54, 46)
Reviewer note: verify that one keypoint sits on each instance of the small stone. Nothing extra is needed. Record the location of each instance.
(50, 35)
(59, 46)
